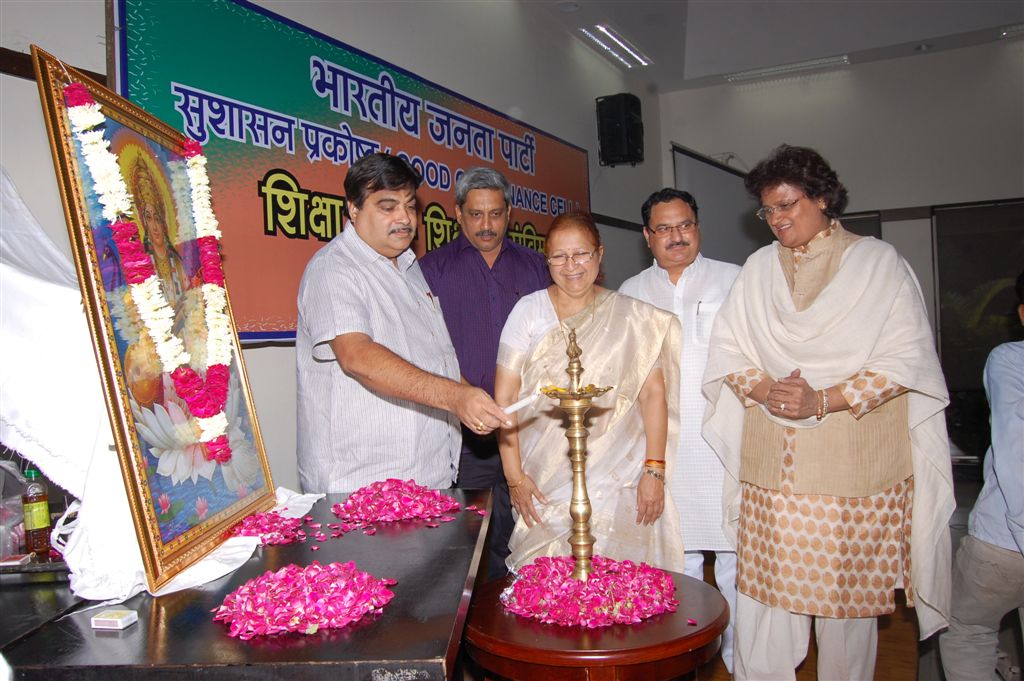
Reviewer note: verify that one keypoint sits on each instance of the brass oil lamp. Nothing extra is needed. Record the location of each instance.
(576, 401)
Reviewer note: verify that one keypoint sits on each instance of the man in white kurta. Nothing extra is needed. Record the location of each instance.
(379, 391)
(684, 282)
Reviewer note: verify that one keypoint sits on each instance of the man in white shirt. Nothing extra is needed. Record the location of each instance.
(684, 282)
(379, 391)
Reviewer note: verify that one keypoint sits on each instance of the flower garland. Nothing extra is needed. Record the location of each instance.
(615, 593)
(205, 399)
(303, 600)
(391, 500)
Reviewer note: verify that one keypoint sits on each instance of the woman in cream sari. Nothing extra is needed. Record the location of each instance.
(626, 344)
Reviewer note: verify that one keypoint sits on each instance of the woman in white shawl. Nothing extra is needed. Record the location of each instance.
(826, 407)
(627, 344)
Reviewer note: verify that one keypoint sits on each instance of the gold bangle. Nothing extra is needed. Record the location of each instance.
(521, 480)
(655, 463)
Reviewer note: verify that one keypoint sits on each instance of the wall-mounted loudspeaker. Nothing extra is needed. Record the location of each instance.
(620, 130)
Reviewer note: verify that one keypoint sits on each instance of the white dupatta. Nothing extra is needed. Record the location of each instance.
(870, 316)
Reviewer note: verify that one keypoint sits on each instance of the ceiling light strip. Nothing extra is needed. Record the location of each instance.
(789, 69)
(597, 41)
(641, 59)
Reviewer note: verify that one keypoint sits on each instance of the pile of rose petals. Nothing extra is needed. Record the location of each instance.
(271, 528)
(616, 593)
(303, 599)
(390, 500)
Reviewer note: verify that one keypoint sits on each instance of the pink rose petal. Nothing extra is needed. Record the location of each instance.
(393, 500)
(616, 593)
(302, 599)
(270, 527)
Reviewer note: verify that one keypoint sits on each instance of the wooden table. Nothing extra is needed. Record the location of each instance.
(662, 647)
(417, 636)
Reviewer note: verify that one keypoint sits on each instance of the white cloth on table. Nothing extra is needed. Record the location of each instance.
(53, 413)
(349, 436)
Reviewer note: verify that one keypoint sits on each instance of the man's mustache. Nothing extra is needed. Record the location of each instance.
(486, 233)
(397, 230)
(678, 244)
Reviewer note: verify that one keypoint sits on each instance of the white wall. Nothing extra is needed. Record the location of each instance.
(532, 71)
(625, 253)
(937, 128)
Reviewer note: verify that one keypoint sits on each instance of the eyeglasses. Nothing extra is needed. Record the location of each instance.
(765, 212)
(662, 231)
(578, 258)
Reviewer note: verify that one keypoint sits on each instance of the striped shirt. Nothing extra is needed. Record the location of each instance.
(349, 436)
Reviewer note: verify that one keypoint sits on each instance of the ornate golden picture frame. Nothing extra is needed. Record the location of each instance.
(184, 495)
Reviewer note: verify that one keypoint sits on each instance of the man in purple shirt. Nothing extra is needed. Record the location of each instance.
(478, 278)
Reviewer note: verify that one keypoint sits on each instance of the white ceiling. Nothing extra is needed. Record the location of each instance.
(694, 43)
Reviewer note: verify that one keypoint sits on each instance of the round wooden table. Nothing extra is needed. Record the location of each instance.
(662, 647)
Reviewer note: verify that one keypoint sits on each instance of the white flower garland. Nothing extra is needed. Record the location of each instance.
(148, 296)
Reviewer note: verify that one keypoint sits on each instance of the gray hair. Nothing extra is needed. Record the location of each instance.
(481, 178)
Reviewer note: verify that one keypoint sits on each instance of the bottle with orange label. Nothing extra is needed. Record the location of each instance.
(36, 503)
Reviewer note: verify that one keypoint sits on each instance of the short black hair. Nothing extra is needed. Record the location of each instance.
(375, 172)
(664, 196)
(801, 167)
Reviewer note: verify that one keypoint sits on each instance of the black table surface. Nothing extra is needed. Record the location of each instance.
(415, 637)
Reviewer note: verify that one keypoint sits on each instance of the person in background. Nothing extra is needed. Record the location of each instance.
(685, 283)
(478, 278)
(626, 344)
(988, 572)
(379, 394)
(827, 411)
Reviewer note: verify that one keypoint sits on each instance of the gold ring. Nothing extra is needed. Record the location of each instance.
(479, 425)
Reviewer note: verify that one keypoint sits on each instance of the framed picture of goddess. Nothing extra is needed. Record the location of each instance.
(146, 246)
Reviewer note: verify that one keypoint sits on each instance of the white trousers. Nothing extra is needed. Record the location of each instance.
(725, 580)
(988, 582)
(771, 642)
